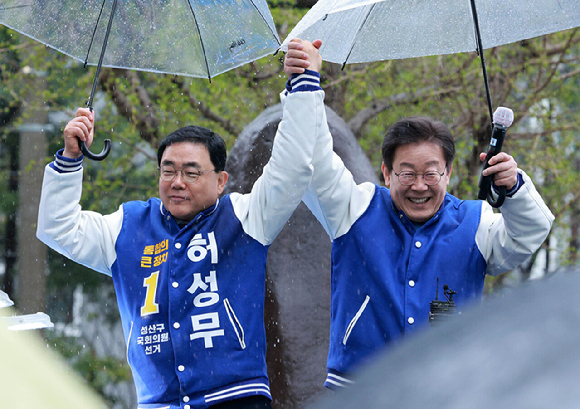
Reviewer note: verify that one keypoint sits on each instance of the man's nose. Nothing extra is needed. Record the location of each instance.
(178, 180)
(419, 184)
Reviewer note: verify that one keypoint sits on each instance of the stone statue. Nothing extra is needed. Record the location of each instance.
(297, 305)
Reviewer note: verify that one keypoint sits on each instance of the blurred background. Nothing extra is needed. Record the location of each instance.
(539, 79)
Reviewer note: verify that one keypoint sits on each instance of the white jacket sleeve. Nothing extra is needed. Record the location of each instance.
(508, 239)
(333, 196)
(83, 236)
(276, 194)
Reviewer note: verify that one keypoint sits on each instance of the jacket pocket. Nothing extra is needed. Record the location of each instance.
(128, 344)
(239, 330)
(355, 319)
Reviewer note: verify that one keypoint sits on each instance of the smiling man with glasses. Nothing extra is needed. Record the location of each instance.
(188, 267)
(391, 244)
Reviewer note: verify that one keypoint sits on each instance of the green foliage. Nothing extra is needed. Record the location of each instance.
(450, 89)
(97, 371)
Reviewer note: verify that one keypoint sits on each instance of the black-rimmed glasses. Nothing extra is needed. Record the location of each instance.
(407, 178)
(189, 174)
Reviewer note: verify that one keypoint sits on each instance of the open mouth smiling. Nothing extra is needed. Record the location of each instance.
(419, 200)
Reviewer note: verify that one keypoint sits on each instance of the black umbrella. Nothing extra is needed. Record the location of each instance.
(517, 350)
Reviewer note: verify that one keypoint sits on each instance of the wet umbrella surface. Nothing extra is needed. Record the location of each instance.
(358, 31)
(197, 38)
(355, 31)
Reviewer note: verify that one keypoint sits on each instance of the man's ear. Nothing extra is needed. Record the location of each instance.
(449, 170)
(386, 175)
(222, 180)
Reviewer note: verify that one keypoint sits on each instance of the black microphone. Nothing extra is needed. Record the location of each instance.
(502, 119)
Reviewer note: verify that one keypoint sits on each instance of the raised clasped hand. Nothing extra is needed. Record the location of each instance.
(302, 55)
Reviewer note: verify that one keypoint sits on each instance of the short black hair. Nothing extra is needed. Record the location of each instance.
(214, 143)
(417, 129)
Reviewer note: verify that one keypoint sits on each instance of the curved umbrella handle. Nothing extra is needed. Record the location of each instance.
(91, 155)
(486, 191)
(500, 197)
(82, 145)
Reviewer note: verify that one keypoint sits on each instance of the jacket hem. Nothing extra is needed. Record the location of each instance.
(248, 388)
(336, 380)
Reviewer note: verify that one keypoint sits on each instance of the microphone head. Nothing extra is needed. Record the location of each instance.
(503, 116)
(445, 287)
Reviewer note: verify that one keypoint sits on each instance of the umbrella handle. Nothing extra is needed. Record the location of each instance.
(496, 202)
(82, 145)
(91, 155)
(486, 191)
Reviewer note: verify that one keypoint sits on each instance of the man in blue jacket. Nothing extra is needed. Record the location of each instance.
(391, 244)
(188, 267)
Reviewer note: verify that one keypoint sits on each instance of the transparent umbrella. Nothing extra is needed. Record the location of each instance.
(358, 31)
(197, 38)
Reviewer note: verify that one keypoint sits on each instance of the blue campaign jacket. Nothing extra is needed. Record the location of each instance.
(382, 284)
(384, 270)
(191, 302)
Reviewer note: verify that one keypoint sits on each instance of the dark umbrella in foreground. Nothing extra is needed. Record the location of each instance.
(197, 38)
(519, 350)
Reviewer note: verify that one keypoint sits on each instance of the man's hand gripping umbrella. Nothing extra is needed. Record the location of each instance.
(80, 130)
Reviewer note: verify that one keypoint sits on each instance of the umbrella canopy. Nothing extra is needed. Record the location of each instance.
(197, 38)
(356, 31)
(518, 350)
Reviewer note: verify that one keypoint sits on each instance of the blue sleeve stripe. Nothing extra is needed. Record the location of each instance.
(514, 189)
(305, 77)
(288, 87)
(517, 187)
(307, 81)
(306, 86)
(66, 165)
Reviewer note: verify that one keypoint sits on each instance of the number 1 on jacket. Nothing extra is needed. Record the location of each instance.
(150, 306)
